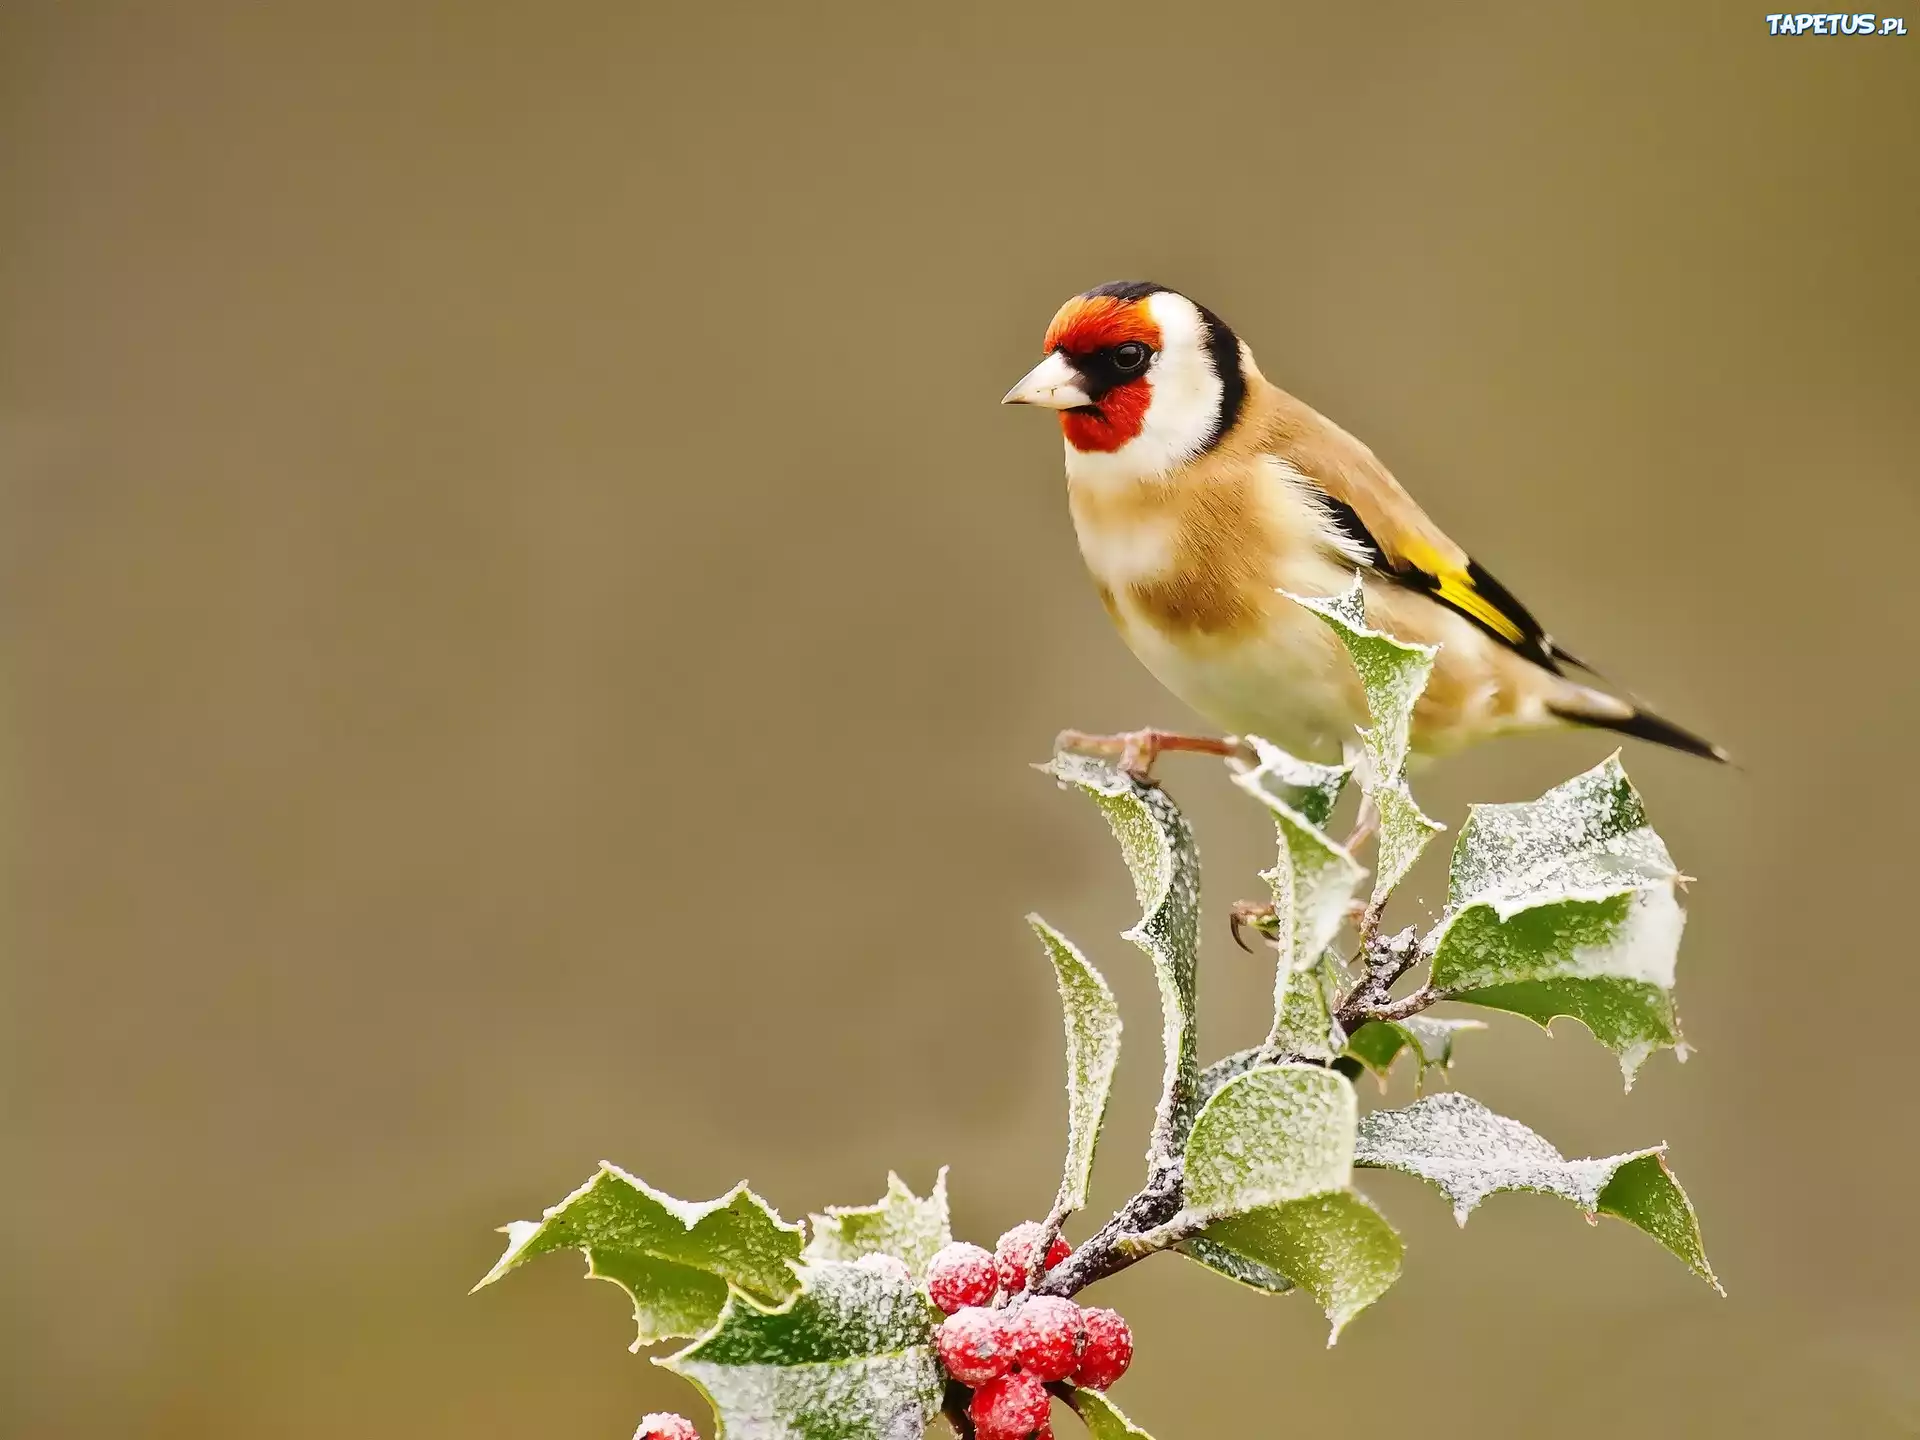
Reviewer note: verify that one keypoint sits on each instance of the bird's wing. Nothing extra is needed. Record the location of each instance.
(1380, 522)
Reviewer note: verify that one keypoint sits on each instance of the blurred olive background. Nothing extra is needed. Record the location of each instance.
(526, 626)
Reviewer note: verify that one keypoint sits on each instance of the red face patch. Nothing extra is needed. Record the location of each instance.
(1085, 325)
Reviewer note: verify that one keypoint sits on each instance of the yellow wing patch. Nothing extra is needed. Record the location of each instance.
(1457, 590)
(1456, 587)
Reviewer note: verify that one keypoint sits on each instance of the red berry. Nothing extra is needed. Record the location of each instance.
(666, 1427)
(1046, 1336)
(962, 1275)
(1014, 1407)
(1109, 1349)
(973, 1346)
(1015, 1252)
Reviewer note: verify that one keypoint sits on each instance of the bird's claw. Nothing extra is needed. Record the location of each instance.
(1253, 915)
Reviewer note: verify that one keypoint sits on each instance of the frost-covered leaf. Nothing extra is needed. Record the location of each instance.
(1392, 674)
(1313, 882)
(1268, 1168)
(1308, 789)
(1567, 905)
(848, 1358)
(1235, 1266)
(1103, 1418)
(1093, 1052)
(1428, 1038)
(1158, 846)
(1305, 1026)
(1469, 1152)
(1228, 1067)
(899, 1224)
(1588, 837)
(1271, 1135)
(1336, 1246)
(673, 1258)
(1606, 963)
(1405, 830)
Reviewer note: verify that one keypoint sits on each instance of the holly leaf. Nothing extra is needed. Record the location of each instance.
(1235, 1266)
(1277, 1133)
(1103, 1418)
(1392, 675)
(1469, 1152)
(1229, 1067)
(899, 1224)
(1586, 837)
(1305, 1026)
(850, 1357)
(1313, 883)
(1093, 1052)
(1428, 1038)
(1405, 830)
(674, 1259)
(1268, 1170)
(1308, 789)
(1567, 905)
(1336, 1246)
(1157, 844)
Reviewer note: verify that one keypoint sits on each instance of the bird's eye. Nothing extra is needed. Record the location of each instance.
(1131, 356)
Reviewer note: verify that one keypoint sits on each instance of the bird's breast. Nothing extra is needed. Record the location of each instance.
(1190, 574)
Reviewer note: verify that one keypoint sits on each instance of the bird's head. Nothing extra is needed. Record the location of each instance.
(1139, 374)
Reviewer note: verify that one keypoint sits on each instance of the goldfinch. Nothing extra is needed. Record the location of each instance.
(1200, 492)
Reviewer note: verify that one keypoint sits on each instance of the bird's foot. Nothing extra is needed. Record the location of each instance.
(1138, 749)
(1255, 915)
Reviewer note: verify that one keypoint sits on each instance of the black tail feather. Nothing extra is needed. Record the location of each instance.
(1645, 725)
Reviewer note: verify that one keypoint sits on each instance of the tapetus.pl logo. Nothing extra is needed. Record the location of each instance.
(1836, 25)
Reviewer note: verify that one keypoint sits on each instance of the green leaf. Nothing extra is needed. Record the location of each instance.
(1158, 846)
(899, 1224)
(1313, 883)
(1229, 1067)
(1428, 1038)
(1093, 1052)
(1405, 830)
(1392, 674)
(1274, 1134)
(1469, 1152)
(1308, 789)
(1587, 837)
(1336, 1246)
(676, 1260)
(1305, 1026)
(1103, 1418)
(1567, 905)
(1235, 1266)
(1268, 1168)
(850, 1357)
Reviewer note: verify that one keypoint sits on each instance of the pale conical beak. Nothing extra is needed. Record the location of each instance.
(1053, 383)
